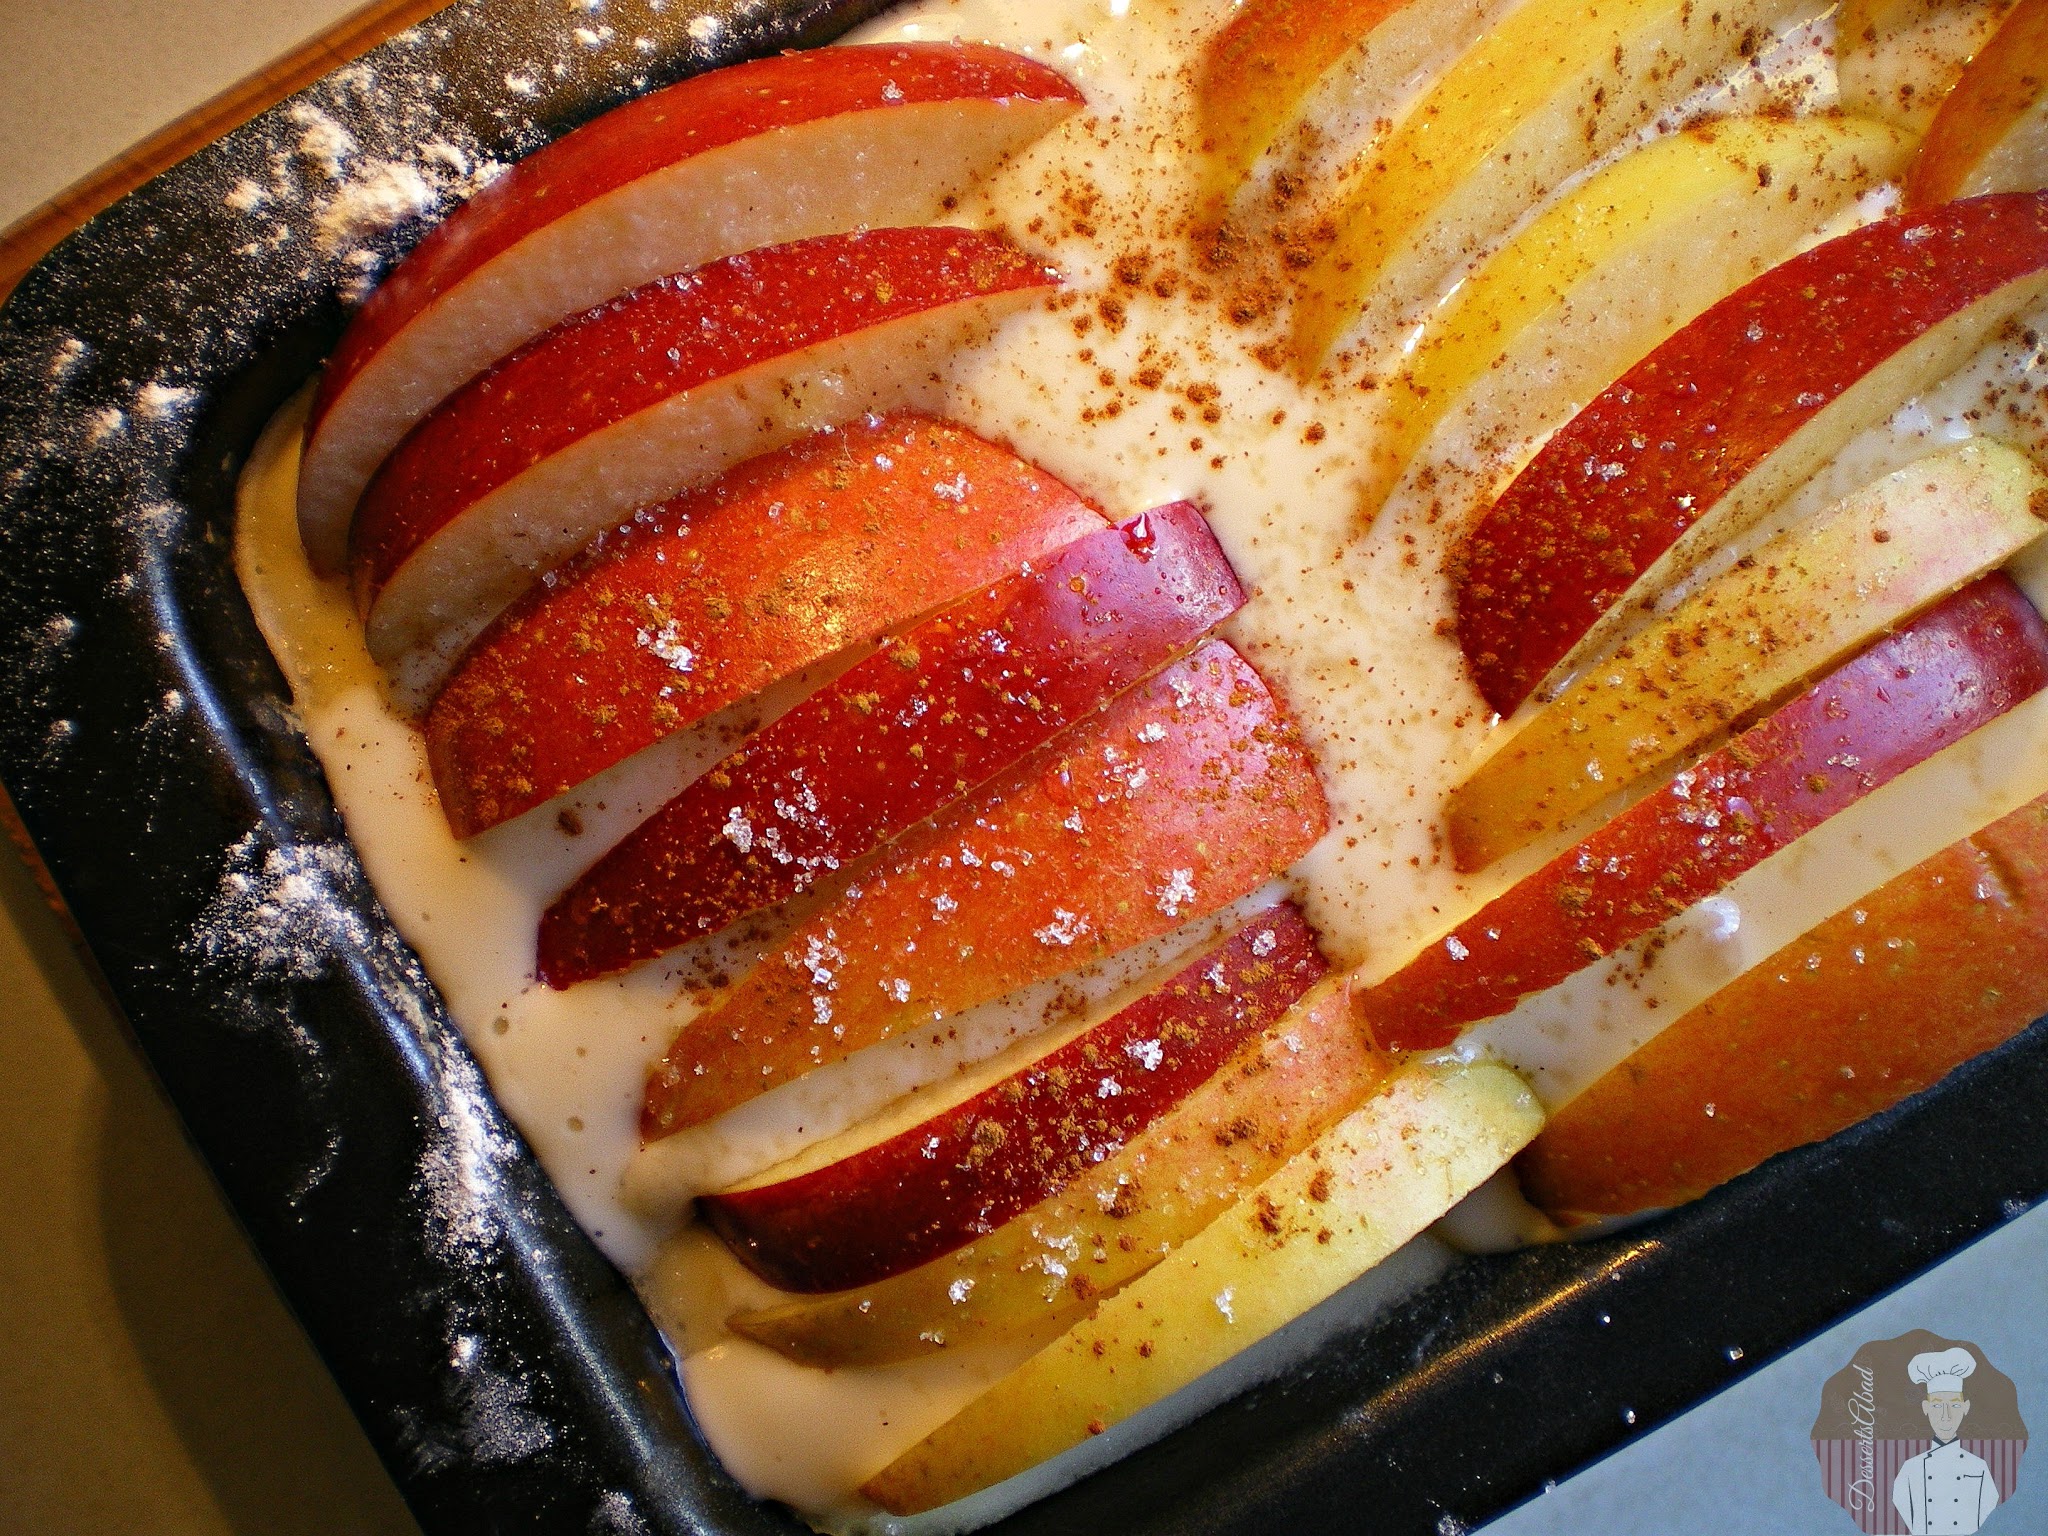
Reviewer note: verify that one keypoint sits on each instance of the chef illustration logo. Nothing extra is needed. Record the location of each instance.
(1920, 1434)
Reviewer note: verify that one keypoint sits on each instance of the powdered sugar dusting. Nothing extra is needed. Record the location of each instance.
(378, 198)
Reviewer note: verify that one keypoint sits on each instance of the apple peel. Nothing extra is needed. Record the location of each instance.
(1040, 1271)
(1957, 666)
(961, 1174)
(1741, 641)
(851, 138)
(1375, 1180)
(1991, 134)
(1878, 1002)
(1712, 430)
(782, 562)
(648, 395)
(1183, 795)
(941, 708)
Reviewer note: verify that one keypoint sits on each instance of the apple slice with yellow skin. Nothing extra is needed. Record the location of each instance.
(938, 1185)
(854, 138)
(1898, 59)
(1960, 664)
(1040, 1271)
(1430, 1136)
(652, 393)
(1184, 794)
(1991, 134)
(1713, 429)
(780, 563)
(941, 708)
(1259, 69)
(1880, 1001)
(1549, 89)
(1745, 639)
(1678, 224)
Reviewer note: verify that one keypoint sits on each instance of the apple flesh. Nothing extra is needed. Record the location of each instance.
(1957, 666)
(1431, 1136)
(940, 709)
(648, 395)
(961, 1174)
(1745, 639)
(1991, 134)
(1548, 90)
(698, 604)
(1718, 425)
(1043, 1269)
(853, 138)
(1880, 1001)
(1183, 795)
(1620, 261)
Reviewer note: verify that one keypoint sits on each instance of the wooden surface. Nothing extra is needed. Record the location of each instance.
(28, 241)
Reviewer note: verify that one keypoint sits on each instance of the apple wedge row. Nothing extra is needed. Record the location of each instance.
(1044, 1269)
(1719, 424)
(1991, 134)
(783, 561)
(1897, 703)
(941, 708)
(760, 154)
(1750, 636)
(1547, 91)
(1256, 73)
(965, 1172)
(1183, 795)
(1880, 1001)
(1622, 259)
(650, 394)
(1429, 1137)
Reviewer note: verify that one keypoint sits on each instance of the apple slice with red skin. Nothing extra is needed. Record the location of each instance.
(1257, 71)
(1880, 1001)
(697, 604)
(1183, 795)
(1727, 417)
(654, 392)
(1046, 1267)
(854, 138)
(940, 709)
(1991, 134)
(941, 1184)
(1959, 665)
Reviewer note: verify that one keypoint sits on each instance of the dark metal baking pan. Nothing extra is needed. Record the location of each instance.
(503, 1369)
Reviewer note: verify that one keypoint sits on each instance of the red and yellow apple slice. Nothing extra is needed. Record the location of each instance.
(1621, 260)
(1043, 1269)
(1376, 1179)
(1257, 71)
(1180, 797)
(946, 1181)
(1548, 90)
(1878, 1002)
(759, 154)
(650, 394)
(1898, 59)
(1991, 134)
(1957, 666)
(695, 605)
(1748, 637)
(940, 709)
(1712, 430)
